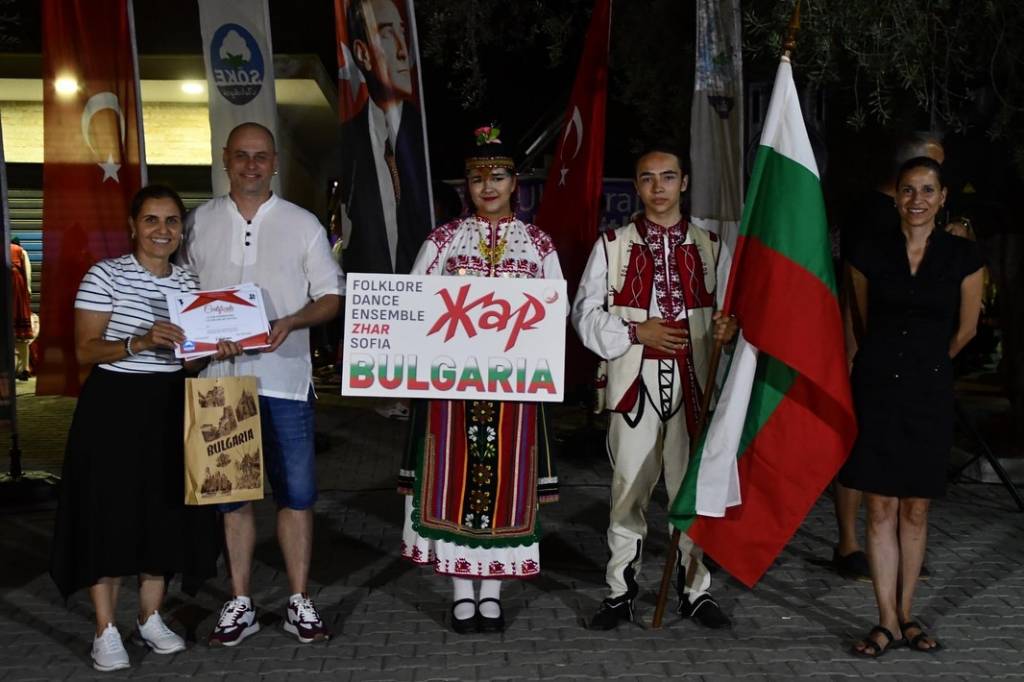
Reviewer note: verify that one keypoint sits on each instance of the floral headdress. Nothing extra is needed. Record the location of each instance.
(489, 151)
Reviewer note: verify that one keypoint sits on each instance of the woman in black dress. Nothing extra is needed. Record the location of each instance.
(917, 293)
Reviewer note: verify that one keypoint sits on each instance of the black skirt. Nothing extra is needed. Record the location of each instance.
(121, 509)
(905, 431)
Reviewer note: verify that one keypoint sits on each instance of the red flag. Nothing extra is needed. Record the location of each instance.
(352, 94)
(92, 163)
(570, 208)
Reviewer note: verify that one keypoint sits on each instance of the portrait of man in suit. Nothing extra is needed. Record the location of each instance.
(385, 183)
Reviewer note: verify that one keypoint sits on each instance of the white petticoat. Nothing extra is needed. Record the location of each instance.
(460, 561)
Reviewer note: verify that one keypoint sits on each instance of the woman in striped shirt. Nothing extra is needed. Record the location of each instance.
(121, 509)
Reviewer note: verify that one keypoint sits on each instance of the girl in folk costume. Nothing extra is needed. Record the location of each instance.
(476, 470)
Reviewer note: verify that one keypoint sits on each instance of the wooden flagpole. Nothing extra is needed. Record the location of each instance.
(673, 545)
(716, 353)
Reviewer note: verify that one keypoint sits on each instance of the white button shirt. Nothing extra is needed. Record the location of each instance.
(284, 250)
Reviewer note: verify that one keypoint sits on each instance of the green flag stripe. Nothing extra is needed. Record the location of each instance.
(685, 502)
(785, 211)
(772, 380)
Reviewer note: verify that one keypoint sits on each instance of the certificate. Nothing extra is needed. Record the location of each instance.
(235, 314)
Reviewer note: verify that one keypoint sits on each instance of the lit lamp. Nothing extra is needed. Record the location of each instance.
(192, 87)
(66, 85)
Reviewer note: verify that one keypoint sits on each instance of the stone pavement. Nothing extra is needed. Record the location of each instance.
(390, 618)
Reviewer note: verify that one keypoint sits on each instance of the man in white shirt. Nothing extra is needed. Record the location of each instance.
(646, 304)
(252, 235)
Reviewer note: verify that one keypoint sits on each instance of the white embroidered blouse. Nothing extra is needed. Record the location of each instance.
(475, 247)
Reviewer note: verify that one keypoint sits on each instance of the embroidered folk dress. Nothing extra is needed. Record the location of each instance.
(476, 470)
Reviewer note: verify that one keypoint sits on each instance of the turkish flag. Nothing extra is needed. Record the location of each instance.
(570, 208)
(92, 163)
(352, 93)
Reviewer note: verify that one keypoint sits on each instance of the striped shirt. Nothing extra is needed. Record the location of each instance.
(135, 299)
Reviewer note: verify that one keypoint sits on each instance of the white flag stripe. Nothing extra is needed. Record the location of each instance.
(718, 484)
(784, 129)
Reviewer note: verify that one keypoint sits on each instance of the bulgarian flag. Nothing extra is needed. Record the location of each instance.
(784, 423)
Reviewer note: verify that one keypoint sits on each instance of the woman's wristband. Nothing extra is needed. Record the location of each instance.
(128, 346)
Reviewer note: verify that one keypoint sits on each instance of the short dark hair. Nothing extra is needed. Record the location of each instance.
(155, 192)
(925, 162)
(664, 147)
(252, 124)
(355, 17)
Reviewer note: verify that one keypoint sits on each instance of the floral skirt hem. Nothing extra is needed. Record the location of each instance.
(462, 561)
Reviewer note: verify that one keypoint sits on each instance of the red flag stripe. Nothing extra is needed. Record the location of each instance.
(777, 476)
(790, 328)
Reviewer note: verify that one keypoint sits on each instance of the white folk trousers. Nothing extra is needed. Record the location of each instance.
(643, 444)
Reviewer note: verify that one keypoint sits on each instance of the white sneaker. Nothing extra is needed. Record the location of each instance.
(155, 634)
(108, 652)
(237, 621)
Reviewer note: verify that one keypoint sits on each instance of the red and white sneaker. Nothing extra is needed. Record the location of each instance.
(303, 620)
(237, 621)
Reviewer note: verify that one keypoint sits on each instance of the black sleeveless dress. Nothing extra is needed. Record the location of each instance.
(902, 375)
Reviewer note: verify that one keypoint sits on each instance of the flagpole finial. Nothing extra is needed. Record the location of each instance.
(789, 44)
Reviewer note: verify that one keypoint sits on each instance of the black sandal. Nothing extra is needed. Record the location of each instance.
(463, 625)
(873, 649)
(486, 624)
(915, 642)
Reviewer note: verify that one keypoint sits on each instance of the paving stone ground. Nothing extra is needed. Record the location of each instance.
(390, 617)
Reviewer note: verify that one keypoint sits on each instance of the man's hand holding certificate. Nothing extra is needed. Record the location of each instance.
(235, 314)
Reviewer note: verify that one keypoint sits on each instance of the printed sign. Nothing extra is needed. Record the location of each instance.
(239, 75)
(464, 338)
(237, 63)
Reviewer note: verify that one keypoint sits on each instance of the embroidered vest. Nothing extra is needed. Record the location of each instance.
(631, 285)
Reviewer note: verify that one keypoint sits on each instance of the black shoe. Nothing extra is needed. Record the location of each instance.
(486, 624)
(853, 566)
(22, 376)
(924, 573)
(705, 611)
(612, 611)
(463, 625)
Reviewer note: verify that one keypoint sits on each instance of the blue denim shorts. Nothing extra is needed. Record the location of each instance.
(288, 452)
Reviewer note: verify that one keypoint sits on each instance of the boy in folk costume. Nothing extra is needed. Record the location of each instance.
(646, 305)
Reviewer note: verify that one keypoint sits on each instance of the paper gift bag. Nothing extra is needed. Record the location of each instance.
(223, 443)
